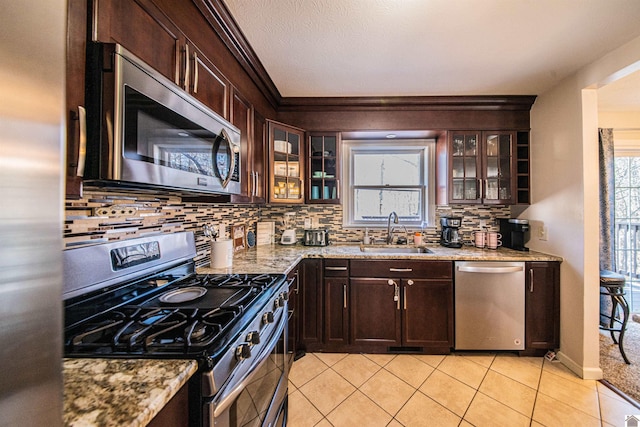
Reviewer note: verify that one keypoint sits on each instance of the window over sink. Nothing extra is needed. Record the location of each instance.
(384, 176)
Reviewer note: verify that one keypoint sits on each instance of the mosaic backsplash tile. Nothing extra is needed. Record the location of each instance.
(103, 216)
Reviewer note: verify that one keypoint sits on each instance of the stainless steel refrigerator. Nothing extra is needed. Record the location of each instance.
(32, 77)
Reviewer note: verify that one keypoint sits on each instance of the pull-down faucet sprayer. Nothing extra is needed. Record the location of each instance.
(389, 231)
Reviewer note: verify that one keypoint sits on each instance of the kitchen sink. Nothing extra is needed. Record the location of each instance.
(395, 250)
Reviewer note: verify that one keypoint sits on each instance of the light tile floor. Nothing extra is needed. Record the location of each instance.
(370, 390)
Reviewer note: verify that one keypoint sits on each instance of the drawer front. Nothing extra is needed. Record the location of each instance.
(336, 268)
(402, 268)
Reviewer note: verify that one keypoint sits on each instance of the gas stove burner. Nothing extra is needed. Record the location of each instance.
(182, 295)
(197, 331)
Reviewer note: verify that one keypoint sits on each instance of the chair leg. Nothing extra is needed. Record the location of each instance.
(613, 317)
(623, 328)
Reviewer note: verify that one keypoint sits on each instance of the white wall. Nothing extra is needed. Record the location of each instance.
(564, 169)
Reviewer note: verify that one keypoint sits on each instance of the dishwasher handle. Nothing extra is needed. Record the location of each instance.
(486, 269)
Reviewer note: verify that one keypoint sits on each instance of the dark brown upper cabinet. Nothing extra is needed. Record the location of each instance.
(323, 167)
(163, 46)
(482, 167)
(286, 163)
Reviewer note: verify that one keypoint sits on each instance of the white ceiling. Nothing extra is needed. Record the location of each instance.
(430, 47)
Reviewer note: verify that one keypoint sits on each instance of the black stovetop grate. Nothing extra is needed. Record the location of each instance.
(150, 327)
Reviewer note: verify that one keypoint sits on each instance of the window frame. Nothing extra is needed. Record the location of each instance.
(427, 150)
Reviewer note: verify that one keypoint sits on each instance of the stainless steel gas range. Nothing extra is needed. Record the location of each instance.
(141, 298)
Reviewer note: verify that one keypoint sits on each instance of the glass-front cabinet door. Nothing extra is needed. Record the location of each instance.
(465, 167)
(482, 167)
(323, 168)
(498, 166)
(286, 149)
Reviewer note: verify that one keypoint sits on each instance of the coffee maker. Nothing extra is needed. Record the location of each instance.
(450, 236)
(515, 233)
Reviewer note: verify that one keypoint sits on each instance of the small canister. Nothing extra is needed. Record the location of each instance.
(417, 238)
(221, 253)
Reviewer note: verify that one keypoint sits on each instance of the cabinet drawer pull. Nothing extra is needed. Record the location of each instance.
(187, 68)
(531, 280)
(254, 183)
(178, 63)
(336, 268)
(400, 270)
(82, 143)
(195, 72)
(344, 296)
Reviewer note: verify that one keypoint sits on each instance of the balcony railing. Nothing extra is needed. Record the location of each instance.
(627, 250)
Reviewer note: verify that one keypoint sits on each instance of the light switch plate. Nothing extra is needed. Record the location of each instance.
(543, 232)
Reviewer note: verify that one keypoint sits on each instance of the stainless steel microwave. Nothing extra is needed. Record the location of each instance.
(142, 130)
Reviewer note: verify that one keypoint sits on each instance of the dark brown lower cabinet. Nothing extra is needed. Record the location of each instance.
(542, 307)
(382, 305)
(310, 305)
(294, 311)
(416, 313)
(336, 312)
(375, 315)
(336, 304)
(175, 413)
(427, 315)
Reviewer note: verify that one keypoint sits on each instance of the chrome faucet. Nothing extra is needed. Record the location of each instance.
(389, 231)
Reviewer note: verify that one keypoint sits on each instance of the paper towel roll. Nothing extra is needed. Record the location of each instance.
(221, 253)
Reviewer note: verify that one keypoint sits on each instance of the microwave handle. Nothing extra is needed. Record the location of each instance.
(82, 143)
(195, 72)
(233, 149)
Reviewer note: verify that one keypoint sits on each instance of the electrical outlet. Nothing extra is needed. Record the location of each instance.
(543, 232)
(483, 223)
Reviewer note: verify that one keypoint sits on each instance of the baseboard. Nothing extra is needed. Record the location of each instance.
(582, 372)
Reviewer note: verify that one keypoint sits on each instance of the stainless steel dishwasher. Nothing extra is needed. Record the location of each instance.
(489, 305)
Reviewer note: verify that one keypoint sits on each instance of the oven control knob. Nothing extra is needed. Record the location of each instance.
(276, 303)
(243, 351)
(285, 295)
(279, 302)
(253, 338)
(267, 318)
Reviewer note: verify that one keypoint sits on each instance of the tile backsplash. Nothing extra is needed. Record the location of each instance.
(102, 216)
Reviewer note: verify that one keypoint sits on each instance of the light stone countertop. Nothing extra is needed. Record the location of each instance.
(278, 258)
(120, 392)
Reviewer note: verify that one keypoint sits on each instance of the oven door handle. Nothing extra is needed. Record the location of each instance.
(229, 396)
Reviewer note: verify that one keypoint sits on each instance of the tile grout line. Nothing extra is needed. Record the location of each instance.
(477, 390)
